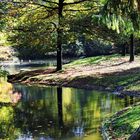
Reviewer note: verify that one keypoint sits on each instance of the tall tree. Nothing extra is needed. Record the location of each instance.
(62, 9)
(124, 13)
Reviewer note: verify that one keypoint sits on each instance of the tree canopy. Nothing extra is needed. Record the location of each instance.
(47, 26)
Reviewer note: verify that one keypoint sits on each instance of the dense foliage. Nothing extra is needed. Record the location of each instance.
(40, 28)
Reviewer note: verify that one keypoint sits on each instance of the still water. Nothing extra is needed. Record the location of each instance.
(14, 67)
(51, 113)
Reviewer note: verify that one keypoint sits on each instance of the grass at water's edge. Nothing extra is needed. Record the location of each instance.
(123, 124)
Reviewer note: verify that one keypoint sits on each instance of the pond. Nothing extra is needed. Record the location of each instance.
(17, 66)
(51, 113)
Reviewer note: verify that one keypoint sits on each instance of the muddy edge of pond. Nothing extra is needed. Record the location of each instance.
(106, 133)
(32, 78)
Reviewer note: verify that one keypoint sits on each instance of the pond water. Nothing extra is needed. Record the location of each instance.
(51, 113)
(14, 67)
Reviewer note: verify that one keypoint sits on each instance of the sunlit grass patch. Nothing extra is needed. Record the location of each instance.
(122, 125)
(92, 60)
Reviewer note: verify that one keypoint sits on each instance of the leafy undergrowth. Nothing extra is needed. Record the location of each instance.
(123, 124)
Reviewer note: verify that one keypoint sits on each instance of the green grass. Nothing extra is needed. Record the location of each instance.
(92, 60)
(118, 80)
(125, 124)
(111, 81)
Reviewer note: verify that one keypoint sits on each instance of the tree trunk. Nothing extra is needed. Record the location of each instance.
(59, 36)
(59, 50)
(131, 50)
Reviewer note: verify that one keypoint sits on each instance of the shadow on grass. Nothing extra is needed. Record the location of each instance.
(113, 80)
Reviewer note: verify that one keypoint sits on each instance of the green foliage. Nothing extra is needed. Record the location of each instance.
(124, 124)
(3, 73)
(122, 16)
(31, 34)
(2, 13)
(33, 27)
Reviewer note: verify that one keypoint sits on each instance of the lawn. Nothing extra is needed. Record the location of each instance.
(124, 123)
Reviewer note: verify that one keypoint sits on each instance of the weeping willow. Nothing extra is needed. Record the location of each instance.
(122, 15)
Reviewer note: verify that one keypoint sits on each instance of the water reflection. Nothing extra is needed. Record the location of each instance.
(48, 113)
(15, 96)
(60, 108)
(14, 67)
(7, 95)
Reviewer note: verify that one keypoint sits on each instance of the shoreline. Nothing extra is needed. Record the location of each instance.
(74, 83)
(121, 78)
(107, 132)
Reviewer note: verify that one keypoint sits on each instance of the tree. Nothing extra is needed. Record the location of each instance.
(124, 15)
(60, 9)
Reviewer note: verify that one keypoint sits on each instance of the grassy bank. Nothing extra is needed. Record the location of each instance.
(101, 72)
(122, 124)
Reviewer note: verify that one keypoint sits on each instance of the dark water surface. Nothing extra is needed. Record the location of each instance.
(51, 113)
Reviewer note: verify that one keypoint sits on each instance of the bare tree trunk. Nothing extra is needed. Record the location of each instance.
(59, 36)
(132, 49)
(59, 50)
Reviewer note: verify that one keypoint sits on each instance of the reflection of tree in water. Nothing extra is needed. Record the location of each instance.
(15, 96)
(60, 107)
(47, 113)
(8, 127)
(8, 98)
(7, 95)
